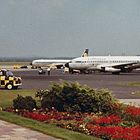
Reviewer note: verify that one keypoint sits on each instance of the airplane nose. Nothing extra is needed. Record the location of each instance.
(67, 65)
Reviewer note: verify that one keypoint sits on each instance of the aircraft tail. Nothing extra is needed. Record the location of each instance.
(85, 53)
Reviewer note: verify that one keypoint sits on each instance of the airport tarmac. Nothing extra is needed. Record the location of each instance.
(117, 84)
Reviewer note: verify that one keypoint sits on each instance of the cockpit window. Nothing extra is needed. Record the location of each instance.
(9, 73)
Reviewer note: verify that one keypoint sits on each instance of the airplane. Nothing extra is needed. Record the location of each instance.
(52, 63)
(113, 64)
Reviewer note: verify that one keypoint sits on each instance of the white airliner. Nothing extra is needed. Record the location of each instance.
(51, 63)
(114, 64)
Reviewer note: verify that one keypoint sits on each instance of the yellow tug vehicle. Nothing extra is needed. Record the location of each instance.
(8, 80)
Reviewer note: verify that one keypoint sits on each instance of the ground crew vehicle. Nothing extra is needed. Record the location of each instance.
(8, 80)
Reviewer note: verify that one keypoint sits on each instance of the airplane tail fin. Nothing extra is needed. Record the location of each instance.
(85, 53)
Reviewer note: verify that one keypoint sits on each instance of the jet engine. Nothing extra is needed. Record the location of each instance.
(110, 69)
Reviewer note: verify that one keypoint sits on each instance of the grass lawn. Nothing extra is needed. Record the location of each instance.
(6, 98)
(137, 84)
(131, 84)
(14, 63)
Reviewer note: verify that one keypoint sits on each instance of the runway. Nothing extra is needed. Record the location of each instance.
(117, 84)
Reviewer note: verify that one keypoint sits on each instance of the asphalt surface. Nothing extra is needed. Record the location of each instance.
(117, 84)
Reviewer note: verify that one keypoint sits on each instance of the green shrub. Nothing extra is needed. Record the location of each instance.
(75, 97)
(24, 103)
(41, 93)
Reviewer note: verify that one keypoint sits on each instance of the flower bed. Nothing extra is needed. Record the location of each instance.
(122, 126)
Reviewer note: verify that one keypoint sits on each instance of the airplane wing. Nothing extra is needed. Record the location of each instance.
(124, 65)
(114, 67)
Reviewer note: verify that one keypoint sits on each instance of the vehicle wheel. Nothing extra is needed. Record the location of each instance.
(9, 86)
(41, 71)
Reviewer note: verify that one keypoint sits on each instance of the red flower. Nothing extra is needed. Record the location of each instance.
(134, 111)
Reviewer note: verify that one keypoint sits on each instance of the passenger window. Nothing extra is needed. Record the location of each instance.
(0, 73)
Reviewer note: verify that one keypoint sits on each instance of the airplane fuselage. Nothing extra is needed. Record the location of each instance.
(46, 62)
(105, 63)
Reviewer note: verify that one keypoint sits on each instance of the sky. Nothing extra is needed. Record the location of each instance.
(64, 28)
